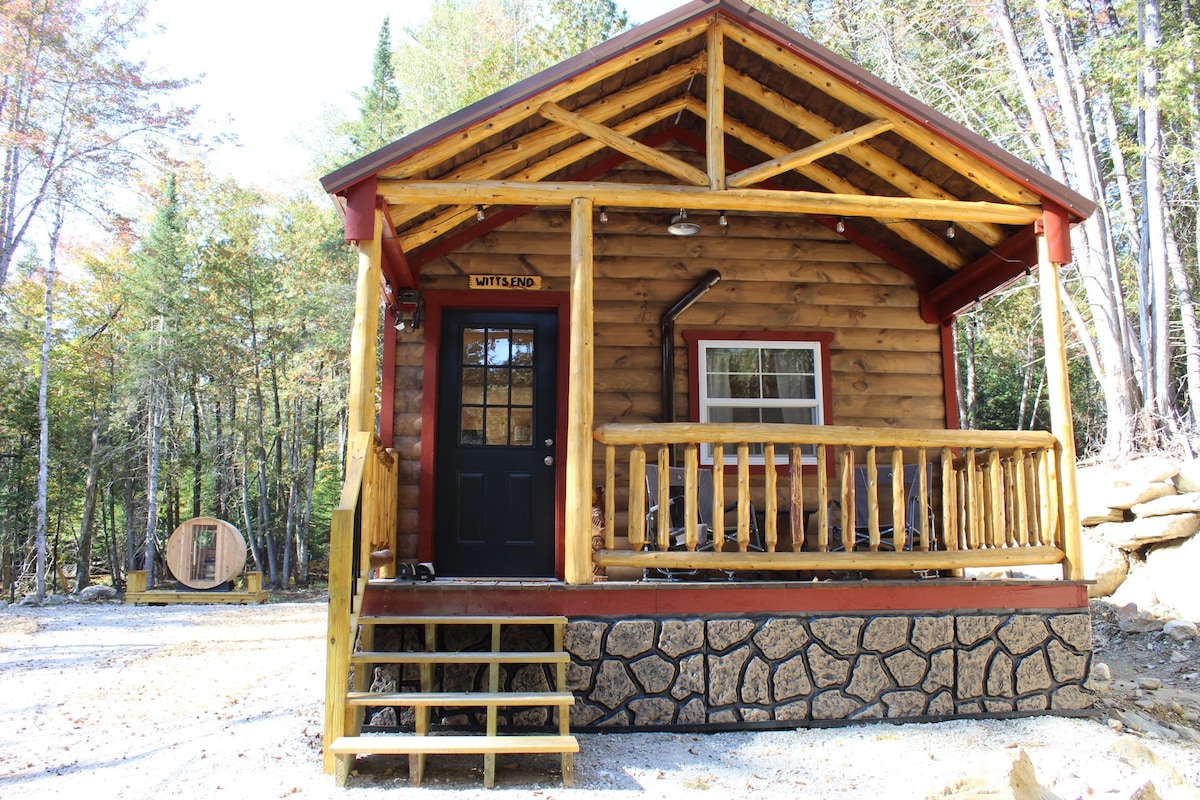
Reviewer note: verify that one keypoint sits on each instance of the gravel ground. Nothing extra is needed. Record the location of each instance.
(214, 701)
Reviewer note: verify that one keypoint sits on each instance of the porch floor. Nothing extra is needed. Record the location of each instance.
(480, 596)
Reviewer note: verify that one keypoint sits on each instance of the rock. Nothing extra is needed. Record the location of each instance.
(28, 600)
(1150, 683)
(1101, 672)
(1098, 516)
(1188, 479)
(56, 600)
(1151, 469)
(1172, 570)
(1170, 504)
(1149, 530)
(1146, 763)
(1181, 630)
(1132, 619)
(1126, 497)
(96, 594)
(1104, 563)
(1011, 776)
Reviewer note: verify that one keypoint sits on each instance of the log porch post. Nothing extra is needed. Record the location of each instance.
(362, 336)
(577, 568)
(1053, 248)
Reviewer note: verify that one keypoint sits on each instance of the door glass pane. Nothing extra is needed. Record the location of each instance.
(498, 348)
(473, 341)
(522, 348)
(472, 386)
(522, 426)
(522, 387)
(471, 431)
(497, 386)
(497, 426)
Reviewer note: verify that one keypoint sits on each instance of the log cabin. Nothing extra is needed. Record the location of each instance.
(663, 338)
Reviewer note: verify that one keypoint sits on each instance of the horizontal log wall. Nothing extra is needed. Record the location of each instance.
(778, 274)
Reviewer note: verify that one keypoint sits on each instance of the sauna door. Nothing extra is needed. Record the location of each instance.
(495, 481)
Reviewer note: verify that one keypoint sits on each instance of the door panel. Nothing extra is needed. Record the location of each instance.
(494, 505)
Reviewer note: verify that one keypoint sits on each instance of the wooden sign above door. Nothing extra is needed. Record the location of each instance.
(522, 282)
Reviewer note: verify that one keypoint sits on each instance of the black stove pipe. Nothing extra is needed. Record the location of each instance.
(668, 340)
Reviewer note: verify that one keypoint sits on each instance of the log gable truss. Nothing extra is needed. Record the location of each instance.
(739, 115)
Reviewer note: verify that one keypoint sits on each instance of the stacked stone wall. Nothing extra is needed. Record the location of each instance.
(777, 670)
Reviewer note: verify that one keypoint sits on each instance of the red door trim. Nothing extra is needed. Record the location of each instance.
(435, 302)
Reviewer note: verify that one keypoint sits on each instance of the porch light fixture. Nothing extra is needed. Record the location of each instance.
(479, 215)
(840, 227)
(682, 226)
(603, 216)
(722, 220)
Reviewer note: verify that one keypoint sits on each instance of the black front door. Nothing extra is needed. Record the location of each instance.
(494, 508)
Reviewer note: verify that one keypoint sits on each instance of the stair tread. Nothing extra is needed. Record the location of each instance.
(400, 619)
(453, 699)
(462, 657)
(400, 744)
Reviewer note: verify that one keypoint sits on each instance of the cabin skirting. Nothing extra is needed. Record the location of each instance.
(788, 670)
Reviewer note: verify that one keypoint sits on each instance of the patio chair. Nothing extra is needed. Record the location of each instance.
(862, 537)
(676, 533)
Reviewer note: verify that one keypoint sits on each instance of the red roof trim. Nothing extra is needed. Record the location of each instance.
(987, 275)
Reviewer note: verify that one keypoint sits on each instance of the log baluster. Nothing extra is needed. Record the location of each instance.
(718, 509)
(771, 501)
(743, 502)
(899, 496)
(637, 498)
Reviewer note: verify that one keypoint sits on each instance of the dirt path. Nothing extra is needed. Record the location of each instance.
(195, 701)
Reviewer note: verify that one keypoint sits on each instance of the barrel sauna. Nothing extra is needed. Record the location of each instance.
(205, 553)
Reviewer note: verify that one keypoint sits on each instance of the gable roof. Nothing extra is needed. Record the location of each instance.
(812, 129)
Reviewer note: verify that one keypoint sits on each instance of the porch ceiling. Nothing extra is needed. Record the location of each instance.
(817, 133)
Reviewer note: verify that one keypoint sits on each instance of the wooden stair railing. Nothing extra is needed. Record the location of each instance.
(421, 742)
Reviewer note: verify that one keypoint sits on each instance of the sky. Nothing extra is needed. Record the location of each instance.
(266, 73)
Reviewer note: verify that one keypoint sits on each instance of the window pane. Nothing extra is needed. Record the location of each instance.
(790, 416)
(788, 360)
(497, 426)
(522, 348)
(472, 386)
(497, 348)
(720, 414)
(473, 340)
(739, 386)
(497, 387)
(522, 426)
(522, 387)
(790, 387)
(472, 426)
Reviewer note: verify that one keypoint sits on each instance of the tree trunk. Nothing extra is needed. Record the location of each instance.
(1095, 266)
(43, 480)
(154, 437)
(197, 451)
(83, 561)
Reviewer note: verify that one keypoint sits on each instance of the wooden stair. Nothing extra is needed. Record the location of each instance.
(422, 742)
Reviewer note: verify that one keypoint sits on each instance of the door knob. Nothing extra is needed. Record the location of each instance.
(549, 461)
(549, 443)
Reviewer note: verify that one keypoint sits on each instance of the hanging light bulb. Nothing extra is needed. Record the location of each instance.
(722, 220)
(950, 231)
(682, 226)
(479, 215)
(841, 225)
(603, 215)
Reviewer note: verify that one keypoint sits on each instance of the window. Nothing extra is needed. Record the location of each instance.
(497, 369)
(760, 380)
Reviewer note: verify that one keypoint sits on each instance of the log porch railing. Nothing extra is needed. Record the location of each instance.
(988, 498)
(362, 537)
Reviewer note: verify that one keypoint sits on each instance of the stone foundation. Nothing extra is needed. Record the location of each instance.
(792, 670)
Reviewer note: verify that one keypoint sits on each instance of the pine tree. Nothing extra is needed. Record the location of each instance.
(378, 122)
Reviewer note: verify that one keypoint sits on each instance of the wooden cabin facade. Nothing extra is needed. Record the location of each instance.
(554, 360)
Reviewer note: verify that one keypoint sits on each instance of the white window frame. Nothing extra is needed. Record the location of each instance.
(817, 403)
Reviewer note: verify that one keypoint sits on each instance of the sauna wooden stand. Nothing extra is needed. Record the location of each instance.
(136, 594)
(421, 742)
